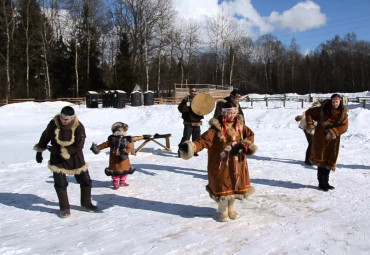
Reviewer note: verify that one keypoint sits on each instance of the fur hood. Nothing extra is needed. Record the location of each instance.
(326, 123)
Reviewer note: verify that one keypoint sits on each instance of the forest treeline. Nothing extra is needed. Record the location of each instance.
(64, 48)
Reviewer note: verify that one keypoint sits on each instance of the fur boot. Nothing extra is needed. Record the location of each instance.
(63, 204)
(223, 211)
(321, 177)
(327, 179)
(231, 208)
(86, 204)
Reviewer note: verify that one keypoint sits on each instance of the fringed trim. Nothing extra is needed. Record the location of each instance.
(57, 131)
(190, 153)
(215, 123)
(64, 153)
(38, 148)
(219, 199)
(56, 169)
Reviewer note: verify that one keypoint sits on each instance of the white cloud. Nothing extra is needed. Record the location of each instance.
(198, 10)
(245, 9)
(303, 16)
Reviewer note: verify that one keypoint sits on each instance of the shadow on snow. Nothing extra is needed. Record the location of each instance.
(185, 211)
(33, 202)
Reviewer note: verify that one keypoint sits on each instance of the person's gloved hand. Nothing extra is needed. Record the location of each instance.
(94, 148)
(184, 147)
(238, 148)
(53, 150)
(39, 157)
(330, 135)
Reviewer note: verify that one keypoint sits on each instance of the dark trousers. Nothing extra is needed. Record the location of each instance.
(190, 131)
(309, 147)
(61, 183)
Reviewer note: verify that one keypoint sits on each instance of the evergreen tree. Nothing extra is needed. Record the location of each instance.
(62, 69)
(125, 78)
(29, 74)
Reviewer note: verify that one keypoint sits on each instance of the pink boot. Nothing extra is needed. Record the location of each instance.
(115, 180)
(122, 181)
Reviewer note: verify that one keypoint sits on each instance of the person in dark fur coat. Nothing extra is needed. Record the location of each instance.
(66, 135)
(229, 141)
(192, 121)
(119, 162)
(332, 122)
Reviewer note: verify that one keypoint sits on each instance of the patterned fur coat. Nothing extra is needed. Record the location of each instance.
(228, 176)
(325, 153)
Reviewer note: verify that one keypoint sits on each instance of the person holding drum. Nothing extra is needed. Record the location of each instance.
(192, 121)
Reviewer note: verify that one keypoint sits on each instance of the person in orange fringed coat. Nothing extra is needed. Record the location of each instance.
(332, 122)
(119, 162)
(228, 141)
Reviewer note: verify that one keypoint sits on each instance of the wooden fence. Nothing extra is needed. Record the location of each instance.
(177, 100)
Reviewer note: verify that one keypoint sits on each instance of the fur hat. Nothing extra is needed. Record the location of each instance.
(119, 127)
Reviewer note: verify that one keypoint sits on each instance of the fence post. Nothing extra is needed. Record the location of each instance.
(251, 102)
(267, 102)
(284, 102)
(302, 102)
(364, 103)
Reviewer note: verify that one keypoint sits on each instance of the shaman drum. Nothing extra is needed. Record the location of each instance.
(202, 104)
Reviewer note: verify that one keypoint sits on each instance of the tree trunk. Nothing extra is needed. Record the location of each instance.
(47, 77)
(232, 67)
(146, 57)
(159, 73)
(76, 66)
(88, 54)
(27, 51)
(9, 30)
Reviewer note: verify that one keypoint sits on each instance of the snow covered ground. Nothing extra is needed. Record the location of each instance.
(166, 209)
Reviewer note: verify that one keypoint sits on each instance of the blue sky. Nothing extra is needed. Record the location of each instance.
(309, 22)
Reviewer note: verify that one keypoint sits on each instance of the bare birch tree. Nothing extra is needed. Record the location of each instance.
(219, 29)
(7, 28)
(75, 9)
(165, 21)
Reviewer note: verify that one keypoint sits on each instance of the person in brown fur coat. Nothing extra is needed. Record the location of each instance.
(228, 141)
(66, 135)
(119, 162)
(332, 122)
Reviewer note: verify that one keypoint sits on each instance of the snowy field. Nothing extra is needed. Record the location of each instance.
(166, 209)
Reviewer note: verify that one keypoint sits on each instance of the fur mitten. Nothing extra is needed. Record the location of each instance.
(94, 148)
(238, 148)
(187, 150)
(332, 134)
